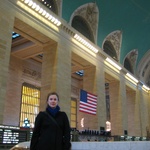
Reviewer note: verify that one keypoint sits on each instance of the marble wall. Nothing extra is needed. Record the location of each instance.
(136, 145)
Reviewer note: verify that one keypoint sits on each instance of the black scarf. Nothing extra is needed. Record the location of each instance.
(53, 111)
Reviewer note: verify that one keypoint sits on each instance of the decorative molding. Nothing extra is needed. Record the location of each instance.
(146, 73)
(59, 6)
(90, 13)
(143, 69)
(75, 91)
(132, 57)
(116, 39)
(32, 73)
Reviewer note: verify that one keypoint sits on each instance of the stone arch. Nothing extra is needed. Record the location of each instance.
(143, 69)
(127, 65)
(89, 13)
(109, 49)
(81, 25)
(114, 39)
(130, 61)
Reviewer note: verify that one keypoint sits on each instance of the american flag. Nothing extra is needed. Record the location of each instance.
(88, 102)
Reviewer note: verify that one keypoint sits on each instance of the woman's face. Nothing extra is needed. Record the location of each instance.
(52, 101)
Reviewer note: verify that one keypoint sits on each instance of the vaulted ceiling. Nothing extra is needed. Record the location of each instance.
(132, 17)
(29, 45)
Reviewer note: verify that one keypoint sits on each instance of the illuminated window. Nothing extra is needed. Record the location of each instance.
(29, 103)
(80, 73)
(110, 50)
(15, 35)
(50, 4)
(128, 65)
(81, 25)
(73, 113)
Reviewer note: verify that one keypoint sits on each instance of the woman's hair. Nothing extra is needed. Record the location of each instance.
(52, 93)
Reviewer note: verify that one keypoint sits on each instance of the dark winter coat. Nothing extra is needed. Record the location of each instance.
(48, 136)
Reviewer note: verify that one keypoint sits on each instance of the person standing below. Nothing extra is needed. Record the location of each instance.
(52, 128)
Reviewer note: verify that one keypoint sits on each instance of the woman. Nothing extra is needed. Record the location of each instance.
(52, 129)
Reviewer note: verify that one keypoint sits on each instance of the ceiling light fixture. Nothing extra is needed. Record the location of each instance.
(145, 88)
(85, 43)
(129, 76)
(112, 63)
(41, 11)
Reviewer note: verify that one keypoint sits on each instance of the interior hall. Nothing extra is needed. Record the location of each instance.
(96, 46)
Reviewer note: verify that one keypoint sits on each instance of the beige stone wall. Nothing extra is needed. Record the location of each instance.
(56, 75)
(76, 85)
(89, 85)
(6, 28)
(116, 109)
(13, 93)
(20, 71)
(144, 110)
(101, 104)
(131, 112)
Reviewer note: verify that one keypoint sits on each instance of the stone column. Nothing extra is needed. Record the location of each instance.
(89, 80)
(6, 28)
(116, 108)
(130, 94)
(56, 75)
(143, 99)
(133, 113)
(101, 104)
(123, 108)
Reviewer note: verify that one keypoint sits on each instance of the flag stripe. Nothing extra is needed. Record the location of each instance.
(91, 99)
(91, 95)
(89, 108)
(89, 112)
(88, 102)
(92, 103)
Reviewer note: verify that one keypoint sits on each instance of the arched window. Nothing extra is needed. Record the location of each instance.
(51, 4)
(81, 25)
(127, 65)
(109, 49)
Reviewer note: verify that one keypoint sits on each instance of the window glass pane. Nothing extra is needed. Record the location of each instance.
(73, 113)
(73, 117)
(73, 124)
(73, 103)
(29, 104)
(73, 110)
